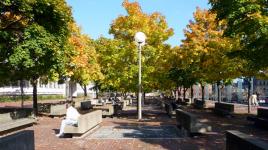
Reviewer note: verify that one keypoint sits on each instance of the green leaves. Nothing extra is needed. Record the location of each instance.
(33, 34)
(205, 50)
(119, 57)
(247, 20)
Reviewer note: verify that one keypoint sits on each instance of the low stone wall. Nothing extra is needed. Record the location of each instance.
(85, 123)
(261, 120)
(231, 108)
(198, 103)
(236, 140)
(107, 110)
(85, 105)
(17, 113)
(190, 122)
(169, 109)
(23, 140)
(9, 124)
(262, 112)
(52, 109)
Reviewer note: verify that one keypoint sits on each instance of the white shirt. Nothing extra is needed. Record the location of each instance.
(72, 113)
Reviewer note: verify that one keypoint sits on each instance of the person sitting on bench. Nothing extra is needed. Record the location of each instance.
(71, 118)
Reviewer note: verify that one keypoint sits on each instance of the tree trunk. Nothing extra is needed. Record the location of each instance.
(184, 93)
(192, 93)
(249, 86)
(97, 93)
(176, 94)
(22, 93)
(203, 92)
(137, 101)
(109, 94)
(218, 89)
(179, 92)
(85, 91)
(71, 87)
(35, 109)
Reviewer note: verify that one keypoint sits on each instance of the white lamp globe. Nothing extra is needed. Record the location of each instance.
(140, 38)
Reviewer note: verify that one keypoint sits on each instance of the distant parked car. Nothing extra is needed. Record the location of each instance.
(263, 100)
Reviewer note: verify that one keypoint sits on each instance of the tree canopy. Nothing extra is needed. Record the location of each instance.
(123, 51)
(248, 20)
(82, 66)
(32, 36)
(206, 49)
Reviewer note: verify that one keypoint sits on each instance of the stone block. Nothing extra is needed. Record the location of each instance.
(23, 140)
(236, 140)
(85, 122)
(85, 105)
(190, 122)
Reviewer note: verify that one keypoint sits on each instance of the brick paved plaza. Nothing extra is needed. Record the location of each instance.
(156, 131)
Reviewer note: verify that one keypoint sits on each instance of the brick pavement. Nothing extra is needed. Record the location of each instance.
(46, 128)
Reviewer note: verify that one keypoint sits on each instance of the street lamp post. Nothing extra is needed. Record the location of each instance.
(140, 41)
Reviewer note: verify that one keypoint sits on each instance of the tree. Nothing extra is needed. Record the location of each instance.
(182, 77)
(156, 29)
(117, 64)
(33, 34)
(206, 49)
(248, 20)
(82, 66)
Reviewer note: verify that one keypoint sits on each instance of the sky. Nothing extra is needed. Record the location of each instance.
(95, 16)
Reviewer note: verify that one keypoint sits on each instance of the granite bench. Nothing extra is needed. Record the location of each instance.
(229, 109)
(261, 120)
(107, 110)
(86, 122)
(86, 105)
(236, 140)
(199, 104)
(169, 110)
(7, 123)
(224, 109)
(51, 109)
(17, 112)
(187, 101)
(189, 122)
(23, 140)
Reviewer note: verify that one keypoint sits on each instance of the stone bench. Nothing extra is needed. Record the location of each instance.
(199, 104)
(96, 102)
(129, 101)
(169, 109)
(187, 101)
(162, 104)
(126, 102)
(51, 109)
(17, 113)
(7, 123)
(86, 122)
(85, 105)
(236, 140)
(230, 109)
(261, 120)
(123, 104)
(23, 140)
(107, 110)
(189, 122)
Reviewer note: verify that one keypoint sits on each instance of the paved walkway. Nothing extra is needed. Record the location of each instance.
(130, 132)
(156, 131)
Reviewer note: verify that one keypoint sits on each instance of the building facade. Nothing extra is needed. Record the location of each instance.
(51, 88)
